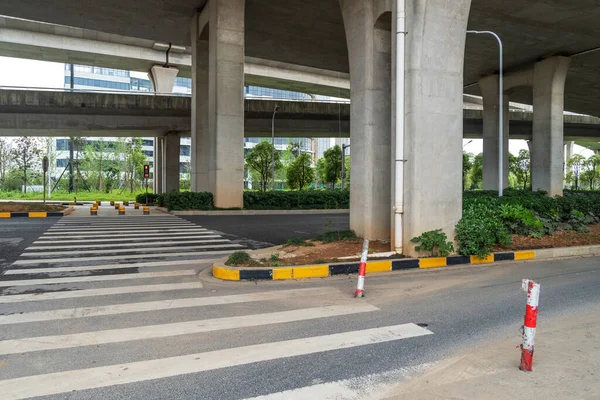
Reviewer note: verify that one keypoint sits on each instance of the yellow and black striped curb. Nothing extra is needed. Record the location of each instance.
(31, 214)
(321, 271)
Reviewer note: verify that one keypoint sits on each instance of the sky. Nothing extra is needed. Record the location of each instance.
(43, 74)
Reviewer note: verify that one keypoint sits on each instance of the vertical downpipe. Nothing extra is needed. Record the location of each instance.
(399, 128)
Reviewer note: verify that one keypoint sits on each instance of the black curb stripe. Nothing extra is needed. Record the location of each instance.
(19, 214)
(256, 274)
(507, 256)
(458, 260)
(344, 269)
(398, 265)
(55, 214)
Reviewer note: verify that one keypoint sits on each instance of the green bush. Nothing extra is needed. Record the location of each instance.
(152, 198)
(480, 229)
(180, 201)
(297, 200)
(239, 258)
(435, 243)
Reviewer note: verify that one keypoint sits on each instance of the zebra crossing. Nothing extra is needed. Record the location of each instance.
(87, 325)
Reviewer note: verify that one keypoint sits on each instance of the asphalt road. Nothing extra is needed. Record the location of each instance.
(249, 339)
(18, 233)
(258, 231)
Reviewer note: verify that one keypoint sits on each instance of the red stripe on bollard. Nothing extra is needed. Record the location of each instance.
(530, 323)
(362, 270)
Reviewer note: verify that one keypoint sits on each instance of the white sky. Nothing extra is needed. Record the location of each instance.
(43, 74)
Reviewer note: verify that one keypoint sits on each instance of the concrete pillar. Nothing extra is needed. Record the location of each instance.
(157, 178)
(548, 124)
(491, 121)
(170, 156)
(434, 116)
(217, 157)
(369, 47)
(163, 78)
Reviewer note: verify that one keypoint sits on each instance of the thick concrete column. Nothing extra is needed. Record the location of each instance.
(369, 48)
(157, 178)
(491, 124)
(218, 101)
(163, 78)
(170, 156)
(548, 125)
(434, 116)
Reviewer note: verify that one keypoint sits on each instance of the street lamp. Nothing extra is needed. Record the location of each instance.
(466, 144)
(501, 111)
(273, 145)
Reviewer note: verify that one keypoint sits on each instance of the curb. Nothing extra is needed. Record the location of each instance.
(325, 270)
(31, 214)
(254, 212)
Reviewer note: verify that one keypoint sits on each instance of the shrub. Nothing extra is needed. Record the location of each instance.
(297, 243)
(297, 200)
(152, 198)
(337, 236)
(521, 221)
(180, 201)
(239, 258)
(479, 230)
(434, 242)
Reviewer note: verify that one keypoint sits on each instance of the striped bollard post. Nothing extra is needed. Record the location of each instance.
(360, 286)
(531, 311)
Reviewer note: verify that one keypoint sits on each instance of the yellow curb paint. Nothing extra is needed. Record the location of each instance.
(2, 363)
(4, 215)
(226, 274)
(311, 272)
(379, 266)
(282, 273)
(38, 215)
(524, 255)
(432, 262)
(486, 260)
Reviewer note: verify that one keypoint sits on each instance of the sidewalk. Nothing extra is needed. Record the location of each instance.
(566, 366)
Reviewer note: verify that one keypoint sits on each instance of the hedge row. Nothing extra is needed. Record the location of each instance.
(282, 200)
(488, 220)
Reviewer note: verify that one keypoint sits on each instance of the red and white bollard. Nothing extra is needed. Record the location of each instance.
(531, 311)
(360, 286)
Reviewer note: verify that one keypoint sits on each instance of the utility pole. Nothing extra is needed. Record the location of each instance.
(273, 146)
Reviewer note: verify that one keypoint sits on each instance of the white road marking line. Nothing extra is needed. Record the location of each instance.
(121, 257)
(19, 298)
(151, 236)
(130, 239)
(119, 226)
(93, 232)
(368, 387)
(126, 308)
(122, 228)
(105, 266)
(161, 243)
(67, 381)
(98, 278)
(42, 343)
(157, 250)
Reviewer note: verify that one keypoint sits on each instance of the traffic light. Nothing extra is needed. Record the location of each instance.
(146, 171)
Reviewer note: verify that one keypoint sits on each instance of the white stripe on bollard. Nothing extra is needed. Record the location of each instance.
(360, 286)
(529, 326)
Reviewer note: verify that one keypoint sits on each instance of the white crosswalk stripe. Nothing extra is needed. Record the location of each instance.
(101, 288)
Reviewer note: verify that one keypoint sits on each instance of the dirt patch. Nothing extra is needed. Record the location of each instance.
(559, 239)
(29, 207)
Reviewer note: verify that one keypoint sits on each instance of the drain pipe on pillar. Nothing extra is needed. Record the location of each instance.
(362, 270)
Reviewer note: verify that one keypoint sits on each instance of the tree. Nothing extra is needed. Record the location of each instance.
(295, 148)
(134, 161)
(592, 171)
(25, 154)
(576, 164)
(5, 161)
(347, 172)
(330, 168)
(467, 166)
(520, 167)
(300, 173)
(477, 171)
(261, 161)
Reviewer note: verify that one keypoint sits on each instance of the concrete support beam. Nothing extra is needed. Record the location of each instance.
(434, 116)
(491, 123)
(163, 78)
(369, 47)
(170, 156)
(157, 178)
(548, 124)
(218, 101)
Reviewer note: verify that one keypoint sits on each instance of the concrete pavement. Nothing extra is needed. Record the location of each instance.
(109, 325)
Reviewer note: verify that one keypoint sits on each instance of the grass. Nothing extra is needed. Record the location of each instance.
(26, 207)
(297, 243)
(82, 195)
(337, 236)
(239, 258)
(320, 262)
